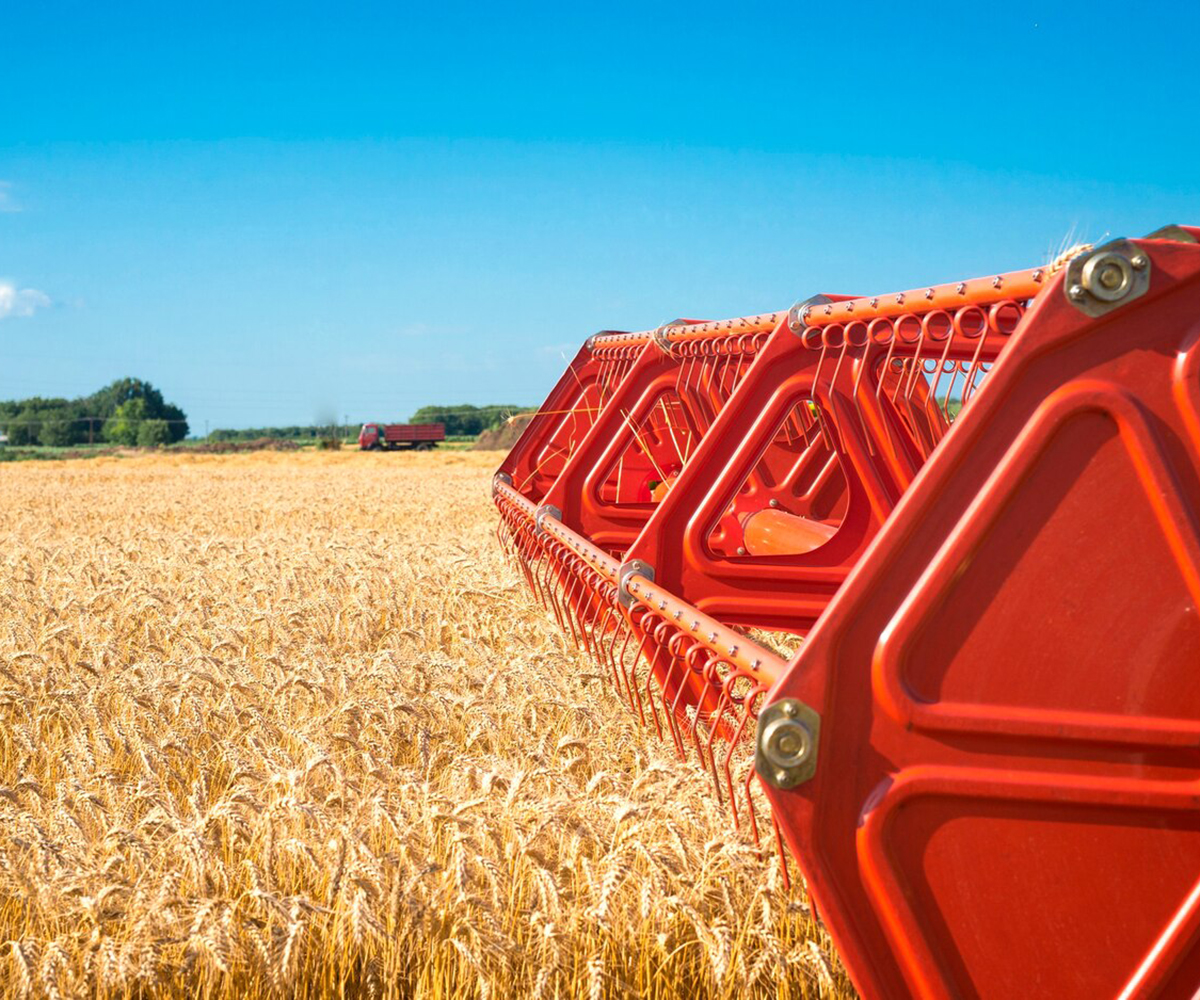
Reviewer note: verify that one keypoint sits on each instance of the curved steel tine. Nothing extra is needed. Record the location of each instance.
(861, 364)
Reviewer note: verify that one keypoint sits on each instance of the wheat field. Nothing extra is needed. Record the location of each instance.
(289, 725)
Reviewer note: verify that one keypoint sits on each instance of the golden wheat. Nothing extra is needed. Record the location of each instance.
(289, 725)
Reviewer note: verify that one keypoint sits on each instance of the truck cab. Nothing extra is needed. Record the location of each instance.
(371, 436)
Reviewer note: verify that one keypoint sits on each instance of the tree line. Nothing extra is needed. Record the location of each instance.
(460, 421)
(130, 411)
(290, 432)
(465, 419)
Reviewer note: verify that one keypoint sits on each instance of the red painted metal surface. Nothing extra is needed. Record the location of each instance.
(980, 505)
(772, 532)
(1008, 796)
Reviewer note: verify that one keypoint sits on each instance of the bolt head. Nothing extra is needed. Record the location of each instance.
(1139, 261)
(1076, 292)
(741, 551)
(787, 743)
(1108, 276)
(774, 502)
(790, 710)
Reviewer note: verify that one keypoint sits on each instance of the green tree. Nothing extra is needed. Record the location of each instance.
(26, 420)
(57, 429)
(177, 425)
(73, 421)
(24, 426)
(104, 402)
(122, 427)
(465, 419)
(152, 432)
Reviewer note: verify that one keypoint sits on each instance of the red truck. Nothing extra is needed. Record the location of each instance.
(420, 437)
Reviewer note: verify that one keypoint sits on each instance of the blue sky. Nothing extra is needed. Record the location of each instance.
(284, 213)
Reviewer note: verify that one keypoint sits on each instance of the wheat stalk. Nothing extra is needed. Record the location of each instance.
(266, 732)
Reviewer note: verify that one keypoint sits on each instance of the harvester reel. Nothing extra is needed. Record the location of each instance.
(976, 506)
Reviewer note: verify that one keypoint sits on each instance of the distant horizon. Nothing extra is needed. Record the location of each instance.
(283, 220)
(95, 421)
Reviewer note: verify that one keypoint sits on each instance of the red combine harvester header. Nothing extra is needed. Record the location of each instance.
(420, 437)
(977, 505)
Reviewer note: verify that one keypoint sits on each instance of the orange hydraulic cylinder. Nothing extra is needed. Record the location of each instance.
(771, 532)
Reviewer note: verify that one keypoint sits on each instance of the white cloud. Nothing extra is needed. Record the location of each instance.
(16, 301)
(7, 202)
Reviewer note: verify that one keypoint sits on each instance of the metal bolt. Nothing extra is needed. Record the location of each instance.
(997, 282)
(1037, 275)
(695, 625)
(929, 293)
(787, 745)
(662, 605)
(741, 551)
(712, 636)
(1108, 276)
(900, 299)
(874, 303)
(1139, 261)
(961, 288)
(755, 664)
(678, 615)
(1076, 292)
(774, 502)
(790, 710)
(633, 587)
(733, 650)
